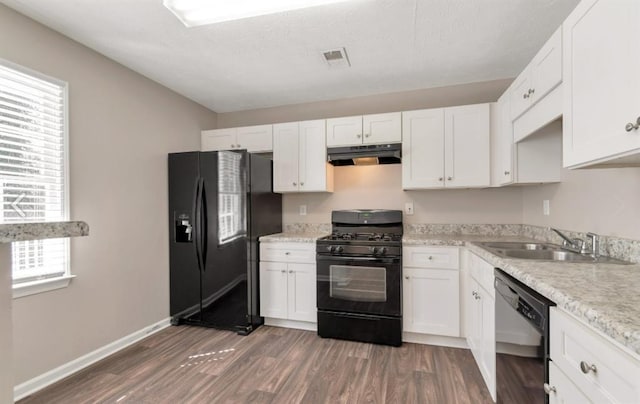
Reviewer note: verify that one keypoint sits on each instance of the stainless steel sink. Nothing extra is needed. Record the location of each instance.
(544, 252)
(514, 245)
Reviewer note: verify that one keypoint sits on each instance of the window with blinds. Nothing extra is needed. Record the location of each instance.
(231, 197)
(33, 180)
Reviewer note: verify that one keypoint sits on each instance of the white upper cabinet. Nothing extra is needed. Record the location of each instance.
(382, 128)
(446, 147)
(367, 129)
(300, 158)
(467, 146)
(254, 139)
(602, 83)
(541, 76)
(423, 149)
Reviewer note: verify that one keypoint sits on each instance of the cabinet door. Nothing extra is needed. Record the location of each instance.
(563, 391)
(302, 292)
(273, 289)
(345, 131)
(474, 317)
(218, 139)
(502, 143)
(382, 128)
(423, 149)
(546, 67)
(488, 345)
(255, 139)
(432, 301)
(468, 146)
(313, 157)
(285, 157)
(520, 94)
(601, 68)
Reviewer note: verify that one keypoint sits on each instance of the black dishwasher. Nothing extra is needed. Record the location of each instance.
(521, 377)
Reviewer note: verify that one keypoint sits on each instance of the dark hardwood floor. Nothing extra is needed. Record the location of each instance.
(272, 365)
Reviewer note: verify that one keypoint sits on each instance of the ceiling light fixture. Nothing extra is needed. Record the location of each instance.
(194, 13)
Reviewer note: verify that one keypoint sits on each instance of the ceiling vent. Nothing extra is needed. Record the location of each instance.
(336, 58)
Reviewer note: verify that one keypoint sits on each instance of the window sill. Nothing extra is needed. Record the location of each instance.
(44, 285)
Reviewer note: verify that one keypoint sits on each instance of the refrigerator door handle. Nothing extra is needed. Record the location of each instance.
(205, 226)
(197, 223)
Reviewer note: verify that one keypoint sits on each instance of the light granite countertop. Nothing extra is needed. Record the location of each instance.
(604, 296)
(10, 232)
(293, 237)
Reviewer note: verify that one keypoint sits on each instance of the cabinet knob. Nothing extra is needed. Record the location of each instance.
(358, 136)
(367, 135)
(406, 277)
(302, 184)
(507, 173)
(283, 271)
(549, 389)
(287, 253)
(525, 96)
(440, 179)
(631, 126)
(586, 368)
(474, 293)
(532, 90)
(449, 178)
(430, 257)
(294, 184)
(291, 271)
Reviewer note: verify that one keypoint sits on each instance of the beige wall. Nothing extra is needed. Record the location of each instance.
(6, 337)
(604, 201)
(381, 186)
(371, 187)
(428, 98)
(122, 126)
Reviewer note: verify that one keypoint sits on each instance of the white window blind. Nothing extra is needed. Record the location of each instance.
(231, 197)
(33, 127)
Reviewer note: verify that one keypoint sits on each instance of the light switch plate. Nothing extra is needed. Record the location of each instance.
(303, 210)
(408, 208)
(545, 207)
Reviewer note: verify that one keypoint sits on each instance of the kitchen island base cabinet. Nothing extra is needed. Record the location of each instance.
(288, 286)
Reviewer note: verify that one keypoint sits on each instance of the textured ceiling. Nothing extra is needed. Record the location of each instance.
(393, 45)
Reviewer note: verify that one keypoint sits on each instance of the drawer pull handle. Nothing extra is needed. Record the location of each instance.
(549, 389)
(586, 368)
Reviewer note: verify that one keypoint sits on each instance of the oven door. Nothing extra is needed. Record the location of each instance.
(366, 285)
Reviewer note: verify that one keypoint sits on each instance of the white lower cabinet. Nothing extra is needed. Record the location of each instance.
(561, 390)
(288, 286)
(480, 318)
(431, 291)
(599, 369)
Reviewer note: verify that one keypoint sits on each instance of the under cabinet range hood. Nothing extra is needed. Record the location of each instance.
(365, 155)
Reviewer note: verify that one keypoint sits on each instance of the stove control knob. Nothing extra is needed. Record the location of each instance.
(382, 251)
(373, 250)
(339, 249)
(330, 248)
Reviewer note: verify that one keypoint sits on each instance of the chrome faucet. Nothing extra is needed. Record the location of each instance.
(576, 244)
(595, 244)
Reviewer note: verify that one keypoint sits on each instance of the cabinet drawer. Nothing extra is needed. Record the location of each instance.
(616, 374)
(431, 257)
(288, 252)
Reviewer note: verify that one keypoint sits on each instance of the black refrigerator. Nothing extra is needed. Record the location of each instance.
(220, 203)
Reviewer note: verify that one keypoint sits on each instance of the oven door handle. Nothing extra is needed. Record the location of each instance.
(388, 260)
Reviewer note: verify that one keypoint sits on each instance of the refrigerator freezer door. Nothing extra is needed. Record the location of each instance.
(184, 273)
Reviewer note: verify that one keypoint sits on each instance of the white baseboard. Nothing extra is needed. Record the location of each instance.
(300, 325)
(438, 340)
(39, 382)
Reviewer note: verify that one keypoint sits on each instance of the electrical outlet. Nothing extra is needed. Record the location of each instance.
(545, 207)
(408, 208)
(303, 210)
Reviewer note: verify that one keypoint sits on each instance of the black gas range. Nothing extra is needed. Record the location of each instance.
(359, 277)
